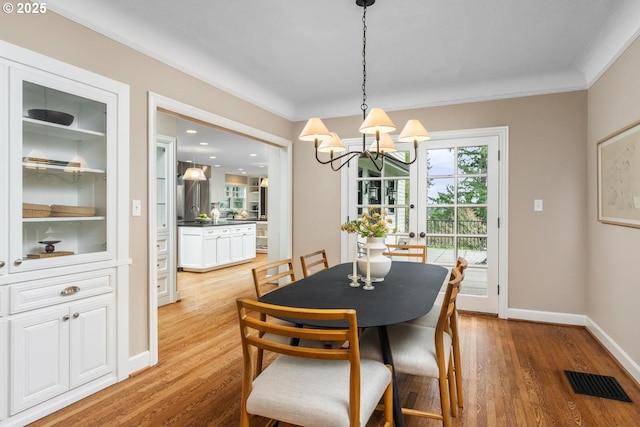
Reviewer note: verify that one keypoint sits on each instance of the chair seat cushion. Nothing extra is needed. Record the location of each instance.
(430, 319)
(412, 348)
(315, 393)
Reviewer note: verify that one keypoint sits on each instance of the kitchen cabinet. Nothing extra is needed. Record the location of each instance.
(64, 261)
(205, 248)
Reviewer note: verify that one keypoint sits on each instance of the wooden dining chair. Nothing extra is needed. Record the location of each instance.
(411, 251)
(269, 276)
(311, 262)
(309, 385)
(424, 351)
(431, 319)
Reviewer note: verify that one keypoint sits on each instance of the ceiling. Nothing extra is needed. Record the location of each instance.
(304, 58)
(224, 151)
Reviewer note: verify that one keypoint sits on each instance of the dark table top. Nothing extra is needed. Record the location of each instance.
(407, 292)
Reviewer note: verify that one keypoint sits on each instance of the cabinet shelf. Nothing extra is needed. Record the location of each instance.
(60, 131)
(42, 166)
(64, 218)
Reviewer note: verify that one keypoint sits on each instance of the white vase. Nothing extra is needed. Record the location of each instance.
(379, 265)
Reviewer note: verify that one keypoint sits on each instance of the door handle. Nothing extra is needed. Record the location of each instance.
(423, 234)
(412, 234)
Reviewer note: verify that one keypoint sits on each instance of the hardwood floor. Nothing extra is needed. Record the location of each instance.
(512, 370)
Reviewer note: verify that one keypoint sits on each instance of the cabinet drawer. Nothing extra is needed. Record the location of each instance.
(56, 290)
(162, 264)
(216, 231)
(163, 245)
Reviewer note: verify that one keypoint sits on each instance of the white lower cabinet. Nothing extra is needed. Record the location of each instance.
(207, 248)
(61, 336)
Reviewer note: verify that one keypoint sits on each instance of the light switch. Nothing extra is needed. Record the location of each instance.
(537, 205)
(136, 208)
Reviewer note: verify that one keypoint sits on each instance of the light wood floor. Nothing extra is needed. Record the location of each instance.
(513, 371)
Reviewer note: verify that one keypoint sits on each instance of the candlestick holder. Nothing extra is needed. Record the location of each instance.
(367, 285)
(354, 280)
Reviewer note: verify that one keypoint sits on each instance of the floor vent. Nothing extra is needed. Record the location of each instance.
(596, 385)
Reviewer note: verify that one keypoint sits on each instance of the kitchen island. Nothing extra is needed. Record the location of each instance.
(204, 246)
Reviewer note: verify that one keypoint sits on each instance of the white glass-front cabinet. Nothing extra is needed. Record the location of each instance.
(64, 245)
(60, 172)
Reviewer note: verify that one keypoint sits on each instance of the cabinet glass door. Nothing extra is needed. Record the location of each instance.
(61, 134)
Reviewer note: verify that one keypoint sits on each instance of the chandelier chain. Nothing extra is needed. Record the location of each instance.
(364, 106)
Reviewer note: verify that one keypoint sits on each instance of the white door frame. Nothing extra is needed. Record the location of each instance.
(280, 178)
(502, 133)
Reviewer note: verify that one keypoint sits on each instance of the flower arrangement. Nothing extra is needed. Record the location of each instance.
(374, 223)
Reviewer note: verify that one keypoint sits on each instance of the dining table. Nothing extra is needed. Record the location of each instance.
(407, 292)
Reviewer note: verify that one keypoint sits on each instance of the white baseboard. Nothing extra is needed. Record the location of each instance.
(547, 317)
(139, 361)
(581, 320)
(618, 353)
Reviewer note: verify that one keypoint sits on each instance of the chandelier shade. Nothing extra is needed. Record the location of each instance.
(413, 131)
(384, 145)
(315, 130)
(377, 121)
(332, 145)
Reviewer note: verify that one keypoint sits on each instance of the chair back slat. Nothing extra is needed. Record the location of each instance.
(264, 282)
(411, 251)
(311, 261)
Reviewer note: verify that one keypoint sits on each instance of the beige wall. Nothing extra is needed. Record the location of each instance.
(547, 161)
(613, 285)
(59, 38)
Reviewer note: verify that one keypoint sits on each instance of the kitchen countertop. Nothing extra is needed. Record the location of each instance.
(219, 224)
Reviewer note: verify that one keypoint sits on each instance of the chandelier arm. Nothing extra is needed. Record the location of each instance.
(351, 155)
(415, 157)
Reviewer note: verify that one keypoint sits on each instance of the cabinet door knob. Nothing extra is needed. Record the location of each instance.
(1, 264)
(65, 317)
(70, 291)
(17, 262)
(76, 315)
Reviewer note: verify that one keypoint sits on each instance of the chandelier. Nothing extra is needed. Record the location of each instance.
(376, 122)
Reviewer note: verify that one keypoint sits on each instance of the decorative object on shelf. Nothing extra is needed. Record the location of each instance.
(232, 213)
(244, 215)
(377, 123)
(72, 211)
(51, 116)
(50, 162)
(32, 210)
(49, 245)
(264, 182)
(373, 226)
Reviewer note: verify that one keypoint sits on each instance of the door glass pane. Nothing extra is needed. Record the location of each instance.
(441, 250)
(472, 190)
(441, 161)
(440, 220)
(472, 221)
(440, 191)
(472, 160)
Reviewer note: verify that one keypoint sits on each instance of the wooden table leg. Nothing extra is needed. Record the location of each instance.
(385, 348)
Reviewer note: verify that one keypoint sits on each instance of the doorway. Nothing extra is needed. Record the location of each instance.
(453, 199)
(280, 189)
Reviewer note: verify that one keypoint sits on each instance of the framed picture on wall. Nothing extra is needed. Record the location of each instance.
(619, 177)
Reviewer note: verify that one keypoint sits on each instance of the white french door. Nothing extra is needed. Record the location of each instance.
(450, 200)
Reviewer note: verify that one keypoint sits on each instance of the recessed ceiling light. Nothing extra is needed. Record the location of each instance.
(216, 166)
(261, 166)
(189, 161)
(240, 169)
(244, 173)
(212, 157)
(192, 131)
(253, 155)
(204, 143)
